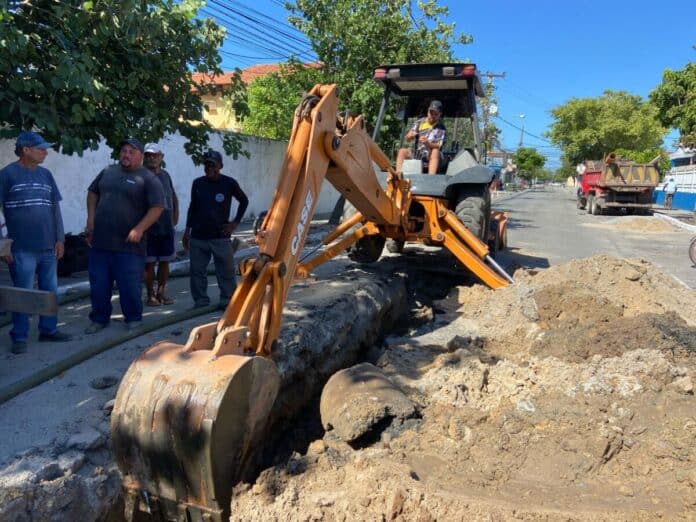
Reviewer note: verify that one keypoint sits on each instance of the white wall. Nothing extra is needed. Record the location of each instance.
(257, 175)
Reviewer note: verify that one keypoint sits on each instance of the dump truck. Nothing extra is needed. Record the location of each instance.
(188, 418)
(611, 184)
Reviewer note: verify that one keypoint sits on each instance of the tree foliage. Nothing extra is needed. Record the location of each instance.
(272, 98)
(350, 39)
(675, 99)
(590, 128)
(529, 162)
(78, 71)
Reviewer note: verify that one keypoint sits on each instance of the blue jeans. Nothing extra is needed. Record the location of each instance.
(24, 267)
(127, 269)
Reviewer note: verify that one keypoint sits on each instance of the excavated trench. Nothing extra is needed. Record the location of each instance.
(332, 324)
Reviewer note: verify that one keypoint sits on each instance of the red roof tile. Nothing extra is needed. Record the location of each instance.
(248, 74)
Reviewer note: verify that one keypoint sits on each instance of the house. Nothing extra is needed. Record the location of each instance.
(215, 111)
(219, 116)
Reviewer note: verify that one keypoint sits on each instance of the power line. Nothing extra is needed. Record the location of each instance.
(256, 31)
(524, 131)
(258, 40)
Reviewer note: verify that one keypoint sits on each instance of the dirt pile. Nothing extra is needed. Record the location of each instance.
(568, 396)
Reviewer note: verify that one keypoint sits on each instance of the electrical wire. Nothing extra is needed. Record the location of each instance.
(256, 31)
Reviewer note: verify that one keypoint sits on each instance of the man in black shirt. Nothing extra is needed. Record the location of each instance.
(123, 201)
(208, 229)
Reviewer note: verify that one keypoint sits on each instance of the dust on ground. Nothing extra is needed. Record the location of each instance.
(567, 396)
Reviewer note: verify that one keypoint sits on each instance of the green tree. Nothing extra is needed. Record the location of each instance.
(350, 39)
(675, 99)
(272, 98)
(79, 71)
(590, 128)
(529, 163)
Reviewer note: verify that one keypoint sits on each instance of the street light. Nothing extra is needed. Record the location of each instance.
(522, 131)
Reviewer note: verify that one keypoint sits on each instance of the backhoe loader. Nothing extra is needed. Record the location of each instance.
(188, 418)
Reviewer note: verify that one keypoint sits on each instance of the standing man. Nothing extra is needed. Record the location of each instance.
(430, 133)
(30, 200)
(160, 236)
(208, 230)
(123, 201)
(670, 189)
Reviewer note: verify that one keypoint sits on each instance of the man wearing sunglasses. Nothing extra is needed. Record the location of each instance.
(430, 133)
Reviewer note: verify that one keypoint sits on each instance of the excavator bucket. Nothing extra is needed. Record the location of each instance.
(184, 425)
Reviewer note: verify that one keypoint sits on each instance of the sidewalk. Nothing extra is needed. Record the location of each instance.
(682, 218)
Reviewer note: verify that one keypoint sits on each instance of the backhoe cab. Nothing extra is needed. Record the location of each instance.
(463, 185)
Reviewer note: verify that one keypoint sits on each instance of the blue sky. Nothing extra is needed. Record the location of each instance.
(550, 51)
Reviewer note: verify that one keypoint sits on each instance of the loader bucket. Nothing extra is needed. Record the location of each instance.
(184, 426)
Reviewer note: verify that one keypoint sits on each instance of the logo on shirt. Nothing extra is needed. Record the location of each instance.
(219, 197)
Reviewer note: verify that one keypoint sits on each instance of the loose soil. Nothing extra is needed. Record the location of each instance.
(567, 396)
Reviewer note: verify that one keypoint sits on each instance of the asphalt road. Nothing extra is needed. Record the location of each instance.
(546, 229)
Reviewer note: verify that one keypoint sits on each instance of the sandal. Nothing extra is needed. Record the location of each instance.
(165, 300)
(153, 301)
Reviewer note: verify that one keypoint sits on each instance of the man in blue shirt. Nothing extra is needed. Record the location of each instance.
(30, 200)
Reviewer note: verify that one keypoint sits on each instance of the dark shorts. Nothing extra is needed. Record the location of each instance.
(160, 248)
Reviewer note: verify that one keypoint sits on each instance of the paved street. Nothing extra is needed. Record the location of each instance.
(546, 228)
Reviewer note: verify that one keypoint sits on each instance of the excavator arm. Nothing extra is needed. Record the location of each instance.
(188, 418)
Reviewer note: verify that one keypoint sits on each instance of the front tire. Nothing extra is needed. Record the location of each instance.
(692, 251)
(473, 209)
(395, 246)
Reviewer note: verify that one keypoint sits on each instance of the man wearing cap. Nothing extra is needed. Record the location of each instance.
(160, 236)
(30, 200)
(123, 201)
(430, 133)
(670, 189)
(208, 229)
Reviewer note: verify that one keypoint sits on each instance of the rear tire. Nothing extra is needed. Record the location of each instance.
(596, 208)
(367, 249)
(692, 251)
(590, 204)
(473, 209)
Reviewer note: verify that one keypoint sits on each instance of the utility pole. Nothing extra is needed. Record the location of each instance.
(522, 131)
(489, 110)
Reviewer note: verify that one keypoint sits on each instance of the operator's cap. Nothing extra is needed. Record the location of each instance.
(212, 156)
(133, 142)
(436, 105)
(153, 148)
(32, 139)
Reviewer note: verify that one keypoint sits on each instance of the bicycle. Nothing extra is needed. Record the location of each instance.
(692, 250)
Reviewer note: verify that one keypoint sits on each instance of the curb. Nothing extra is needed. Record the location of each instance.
(670, 219)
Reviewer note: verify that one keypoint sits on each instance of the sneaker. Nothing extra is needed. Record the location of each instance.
(132, 325)
(19, 347)
(94, 328)
(55, 337)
